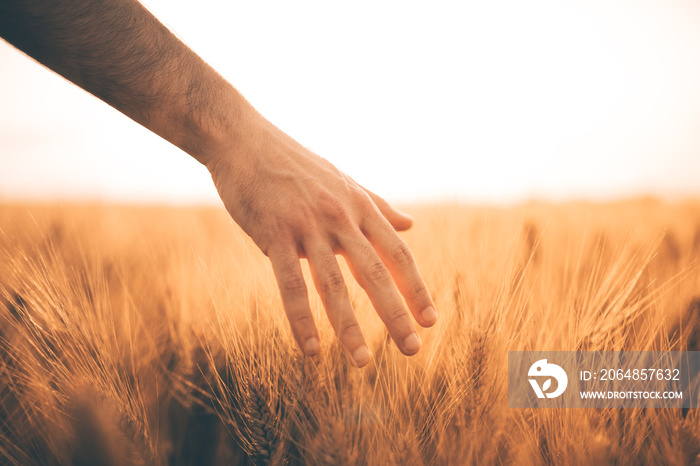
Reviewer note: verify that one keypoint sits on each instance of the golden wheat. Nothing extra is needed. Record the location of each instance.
(155, 335)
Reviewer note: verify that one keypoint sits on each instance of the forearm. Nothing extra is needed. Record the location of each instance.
(119, 52)
(290, 201)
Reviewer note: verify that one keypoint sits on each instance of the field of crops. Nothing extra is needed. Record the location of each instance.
(156, 335)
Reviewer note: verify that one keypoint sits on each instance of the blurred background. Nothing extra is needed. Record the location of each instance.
(495, 102)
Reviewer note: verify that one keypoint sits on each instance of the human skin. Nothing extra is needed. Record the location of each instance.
(293, 203)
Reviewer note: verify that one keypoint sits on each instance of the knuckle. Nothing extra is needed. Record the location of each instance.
(340, 215)
(332, 284)
(398, 317)
(333, 208)
(293, 283)
(277, 228)
(361, 197)
(378, 273)
(327, 201)
(291, 221)
(279, 231)
(304, 216)
(419, 288)
(303, 320)
(401, 254)
(289, 218)
(349, 329)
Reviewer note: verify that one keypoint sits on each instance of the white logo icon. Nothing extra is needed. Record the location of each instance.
(550, 371)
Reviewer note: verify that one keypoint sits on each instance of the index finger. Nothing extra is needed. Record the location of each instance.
(372, 275)
(398, 258)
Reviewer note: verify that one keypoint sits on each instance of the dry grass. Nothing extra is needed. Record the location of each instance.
(156, 336)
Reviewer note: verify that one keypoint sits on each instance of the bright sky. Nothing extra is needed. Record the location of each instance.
(478, 101)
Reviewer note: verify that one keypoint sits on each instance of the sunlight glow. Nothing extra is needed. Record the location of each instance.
(478, 101)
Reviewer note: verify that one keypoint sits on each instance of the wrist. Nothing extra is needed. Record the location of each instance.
(217, 128)
(202, 114)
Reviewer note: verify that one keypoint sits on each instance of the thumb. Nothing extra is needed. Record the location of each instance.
(399, 220)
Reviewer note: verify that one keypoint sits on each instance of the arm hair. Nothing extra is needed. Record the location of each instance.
(119, 52)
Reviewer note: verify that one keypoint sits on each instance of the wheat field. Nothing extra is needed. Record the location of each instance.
(155, 335)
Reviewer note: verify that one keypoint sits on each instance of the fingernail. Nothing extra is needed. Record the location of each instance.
(429, 315)
(311, 346)
(411, 344)
(361, 356)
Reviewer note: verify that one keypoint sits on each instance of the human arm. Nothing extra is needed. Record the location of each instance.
(290, 201)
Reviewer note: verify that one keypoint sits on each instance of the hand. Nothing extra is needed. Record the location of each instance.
(290, 201)
(295, 204)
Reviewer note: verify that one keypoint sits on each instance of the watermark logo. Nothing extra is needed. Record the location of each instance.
(603, 379)
(543, 370)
